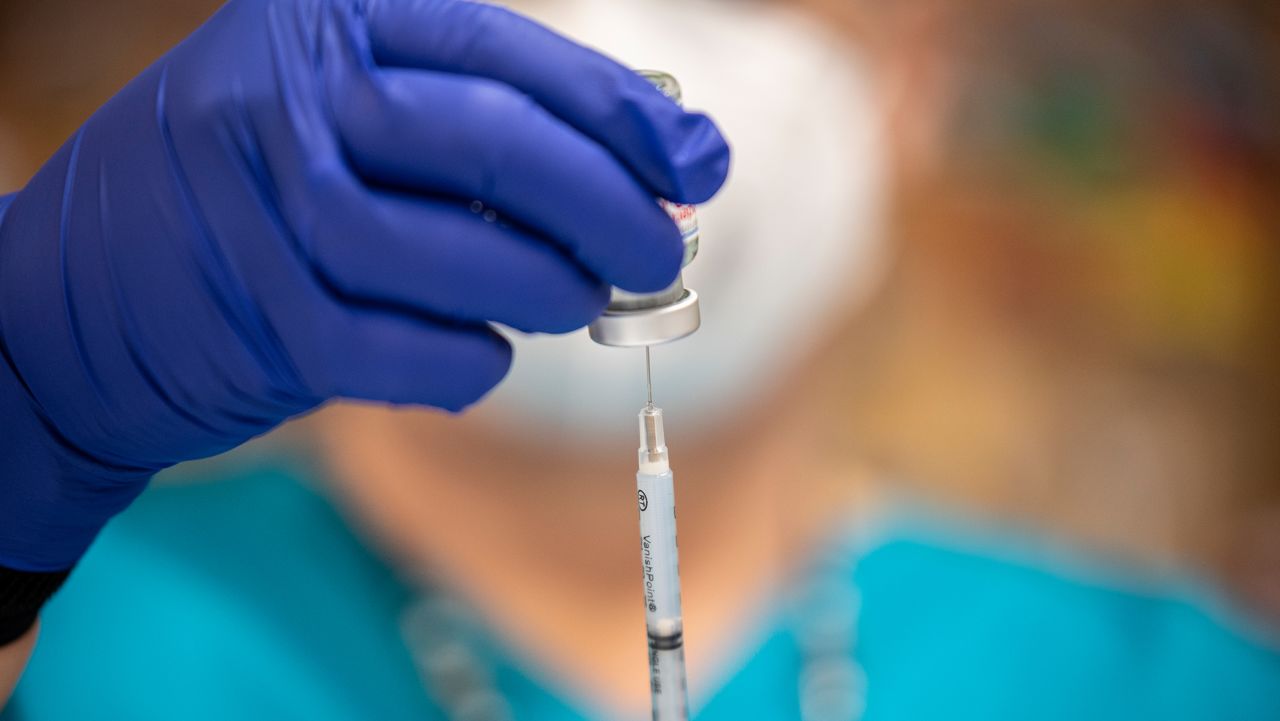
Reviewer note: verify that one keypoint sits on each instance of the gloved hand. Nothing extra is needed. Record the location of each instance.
(309, 199)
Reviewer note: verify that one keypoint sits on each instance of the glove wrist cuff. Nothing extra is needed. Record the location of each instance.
(22, 594)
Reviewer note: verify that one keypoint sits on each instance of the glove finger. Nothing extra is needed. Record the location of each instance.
(480, 140)
(387, 356)
(440, 258)
(679, 155)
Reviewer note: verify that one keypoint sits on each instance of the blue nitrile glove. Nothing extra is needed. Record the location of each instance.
(294, 205)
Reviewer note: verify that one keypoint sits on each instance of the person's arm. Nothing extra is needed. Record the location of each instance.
(13, 658)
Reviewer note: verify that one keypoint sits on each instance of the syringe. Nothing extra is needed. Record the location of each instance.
(663, 619)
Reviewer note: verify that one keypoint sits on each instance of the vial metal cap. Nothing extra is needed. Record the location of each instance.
(648, 326)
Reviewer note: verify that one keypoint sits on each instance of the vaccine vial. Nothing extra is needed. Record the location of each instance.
(646, 319)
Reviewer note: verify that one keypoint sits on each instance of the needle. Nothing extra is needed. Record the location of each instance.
(648, 374)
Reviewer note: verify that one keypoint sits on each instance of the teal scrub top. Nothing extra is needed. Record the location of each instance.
(249, 598)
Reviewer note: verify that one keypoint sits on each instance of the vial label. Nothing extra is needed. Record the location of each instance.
(686, 219)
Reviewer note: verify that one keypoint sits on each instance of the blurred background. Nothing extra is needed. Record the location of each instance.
(1081, 328)
(1078, 331)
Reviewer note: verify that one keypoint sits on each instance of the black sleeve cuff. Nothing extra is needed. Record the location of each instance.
(22, 594)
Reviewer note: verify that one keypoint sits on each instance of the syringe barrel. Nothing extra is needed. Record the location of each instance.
(659, 555)
(664, 620)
